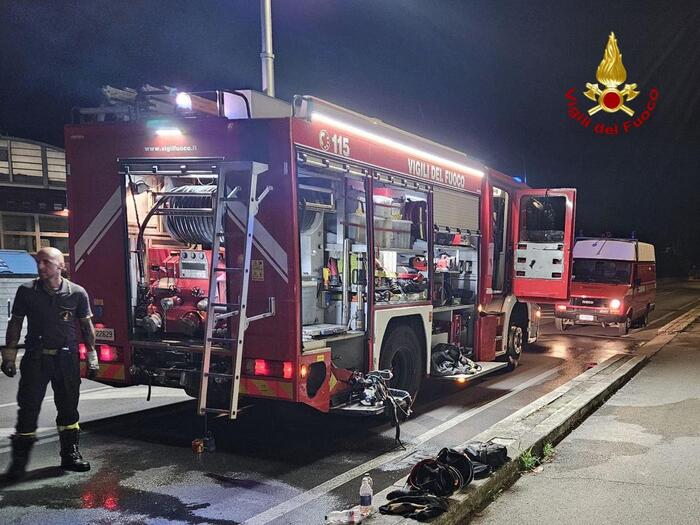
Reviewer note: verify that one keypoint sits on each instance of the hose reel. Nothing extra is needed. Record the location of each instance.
(190, 229)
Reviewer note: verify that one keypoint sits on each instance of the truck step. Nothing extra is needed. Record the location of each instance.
(487, 367)
(222, 340)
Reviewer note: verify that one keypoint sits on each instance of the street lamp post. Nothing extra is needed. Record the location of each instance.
(267, 57)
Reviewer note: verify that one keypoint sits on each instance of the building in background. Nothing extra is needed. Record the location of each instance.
(33, 210)
(16, 268)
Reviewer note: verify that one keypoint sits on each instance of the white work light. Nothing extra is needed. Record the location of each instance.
(317, 110)
(183, 101)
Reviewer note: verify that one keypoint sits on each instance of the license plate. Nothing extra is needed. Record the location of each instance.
(104, 334)
(586, 317)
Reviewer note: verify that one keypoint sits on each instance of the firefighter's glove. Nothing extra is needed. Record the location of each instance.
(93, 365)
(9, 356)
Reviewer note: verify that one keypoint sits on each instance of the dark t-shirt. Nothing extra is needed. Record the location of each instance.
(51, 314)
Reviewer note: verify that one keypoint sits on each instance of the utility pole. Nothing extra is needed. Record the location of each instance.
(267, 57)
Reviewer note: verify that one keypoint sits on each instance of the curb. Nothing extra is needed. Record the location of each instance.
(546, 420)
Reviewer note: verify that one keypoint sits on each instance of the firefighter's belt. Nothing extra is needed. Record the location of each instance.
(51, 351)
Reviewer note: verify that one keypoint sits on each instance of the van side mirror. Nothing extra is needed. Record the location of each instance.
(637, 282)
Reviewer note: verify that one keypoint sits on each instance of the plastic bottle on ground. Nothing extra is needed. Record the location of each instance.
(344, 517)
(366, 493)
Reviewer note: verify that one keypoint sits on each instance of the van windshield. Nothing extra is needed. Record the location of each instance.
(601, 271)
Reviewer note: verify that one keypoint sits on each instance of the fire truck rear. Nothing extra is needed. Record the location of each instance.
(239, 247)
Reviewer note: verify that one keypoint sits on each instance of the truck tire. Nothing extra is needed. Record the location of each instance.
(517, 337)
(517, 340)
(401, 353)
(559, 324)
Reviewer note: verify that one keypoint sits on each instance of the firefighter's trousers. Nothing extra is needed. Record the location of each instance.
(39, 367)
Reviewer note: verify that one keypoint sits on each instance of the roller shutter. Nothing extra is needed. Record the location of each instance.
(455, 210)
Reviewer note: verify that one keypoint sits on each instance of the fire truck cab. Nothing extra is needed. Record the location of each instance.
(239, 247)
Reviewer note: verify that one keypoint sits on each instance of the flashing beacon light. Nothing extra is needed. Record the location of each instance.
(183, 101)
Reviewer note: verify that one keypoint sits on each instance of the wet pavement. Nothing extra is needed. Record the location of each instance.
(634, 461)
(281, 466)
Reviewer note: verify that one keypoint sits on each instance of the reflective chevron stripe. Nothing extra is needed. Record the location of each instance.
(97, 229)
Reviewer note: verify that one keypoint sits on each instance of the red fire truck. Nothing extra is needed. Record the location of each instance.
(239, 247)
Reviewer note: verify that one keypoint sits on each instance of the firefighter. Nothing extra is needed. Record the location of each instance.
(54, 307)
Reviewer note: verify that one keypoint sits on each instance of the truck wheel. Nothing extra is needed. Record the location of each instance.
(517, 339)
(560, 325)
(623, 328)
(401, 353)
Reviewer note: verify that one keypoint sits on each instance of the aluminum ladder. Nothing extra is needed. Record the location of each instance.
(216, 311)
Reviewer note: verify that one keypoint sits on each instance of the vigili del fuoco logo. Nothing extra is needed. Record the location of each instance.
(610, 98)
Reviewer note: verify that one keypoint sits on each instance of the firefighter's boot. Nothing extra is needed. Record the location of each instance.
(70, 454)
(21, 447)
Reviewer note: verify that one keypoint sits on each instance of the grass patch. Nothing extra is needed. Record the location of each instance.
(528, 460)
(548, 451)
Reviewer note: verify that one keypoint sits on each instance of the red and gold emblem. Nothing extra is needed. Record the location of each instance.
(611, 73)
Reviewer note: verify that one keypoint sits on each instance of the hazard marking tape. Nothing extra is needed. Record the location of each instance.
(266, 388)
(107, 371)
(285, 390)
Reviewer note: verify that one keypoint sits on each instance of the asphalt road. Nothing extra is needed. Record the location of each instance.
(272, 466)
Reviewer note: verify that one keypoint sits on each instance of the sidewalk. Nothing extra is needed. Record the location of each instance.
(636, 460)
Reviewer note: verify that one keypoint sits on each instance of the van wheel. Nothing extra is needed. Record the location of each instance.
(560, 325)
(624, 327)
(401, 353)
(642, 321)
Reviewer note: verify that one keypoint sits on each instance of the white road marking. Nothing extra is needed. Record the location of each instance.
(673, 325)
(333, 483)
(42, 440)
(670, 314)
(49, 398)
(6, 432)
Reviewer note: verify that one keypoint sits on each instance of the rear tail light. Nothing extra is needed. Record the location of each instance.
(105, 353)
(268, 368)
(108, 353)
(261, 368)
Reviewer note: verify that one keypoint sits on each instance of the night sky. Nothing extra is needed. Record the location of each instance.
(488, 78)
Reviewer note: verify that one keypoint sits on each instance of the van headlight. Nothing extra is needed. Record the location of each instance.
(615, 304)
